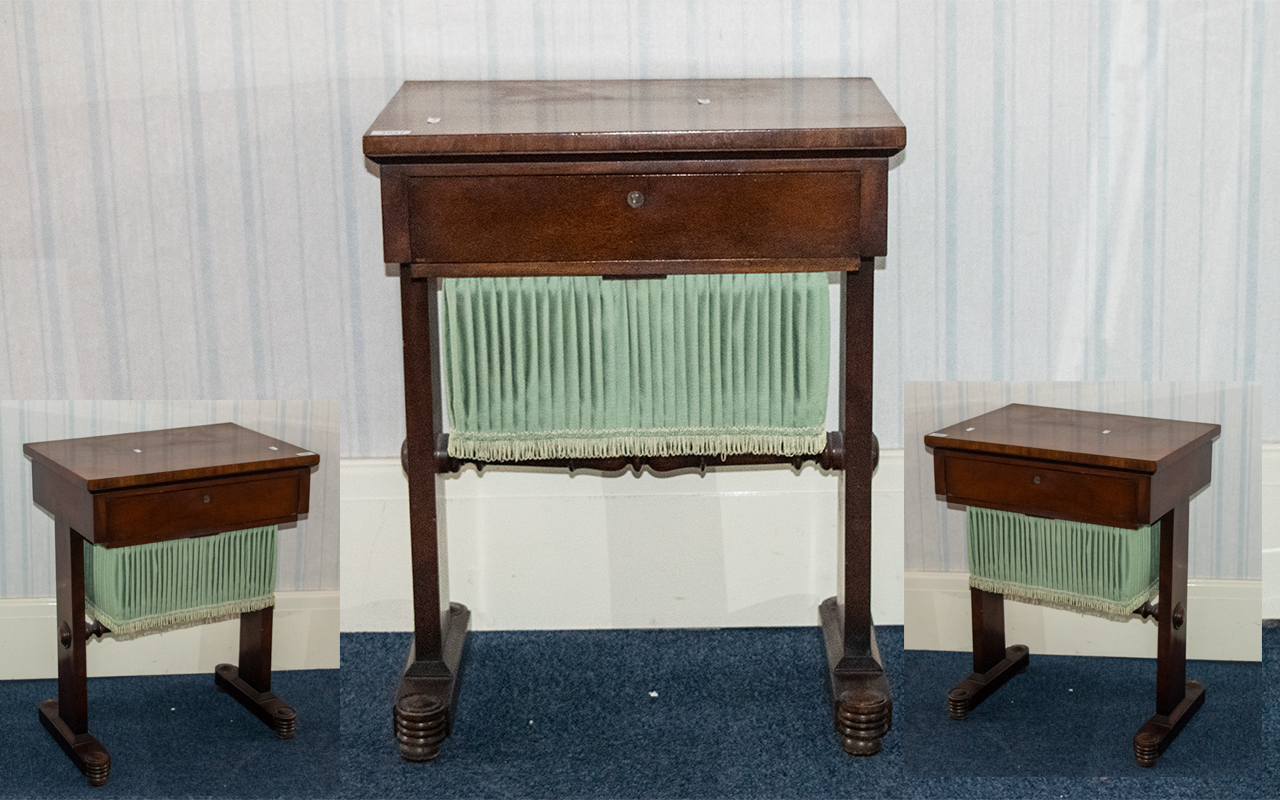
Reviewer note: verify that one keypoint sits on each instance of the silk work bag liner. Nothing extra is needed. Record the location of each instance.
(577, 367)
(1073, 565)
(148, 588)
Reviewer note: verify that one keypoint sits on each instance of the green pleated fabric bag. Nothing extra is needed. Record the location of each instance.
(1073, 565)
(581, 367)
(148, 588)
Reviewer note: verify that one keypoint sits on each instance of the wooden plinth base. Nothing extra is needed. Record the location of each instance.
(424, 708)
(861, 703)
(86, 752)
(969, 693)
(1158, 732)
(276, 713)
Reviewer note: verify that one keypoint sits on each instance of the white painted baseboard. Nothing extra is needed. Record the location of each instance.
(1271, 530)
(304, 636)
(539, 549)
(1223, 622)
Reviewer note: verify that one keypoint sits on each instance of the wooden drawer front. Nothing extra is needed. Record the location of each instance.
(157, 515)
(549, 218)
(1101, 499)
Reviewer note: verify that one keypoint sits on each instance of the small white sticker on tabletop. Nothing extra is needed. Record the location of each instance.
(390, 133)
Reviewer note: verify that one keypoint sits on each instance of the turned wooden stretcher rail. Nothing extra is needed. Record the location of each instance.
(831, 458)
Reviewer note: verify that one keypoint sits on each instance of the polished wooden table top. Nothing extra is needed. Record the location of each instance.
(1115, 441)
(144, 458)
(476, 117)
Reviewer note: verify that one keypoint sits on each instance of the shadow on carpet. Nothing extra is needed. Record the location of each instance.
(737, 713)
(176, 736)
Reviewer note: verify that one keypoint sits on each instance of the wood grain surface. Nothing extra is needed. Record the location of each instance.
(634, 217)
(511, 117)
(1116, 441)
(145, 458)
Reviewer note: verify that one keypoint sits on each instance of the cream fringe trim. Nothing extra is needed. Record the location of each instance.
(1069, 601)
(173, 620)
(590, 444)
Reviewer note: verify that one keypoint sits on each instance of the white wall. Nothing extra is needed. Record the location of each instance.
(1089, 190)
(543, 550)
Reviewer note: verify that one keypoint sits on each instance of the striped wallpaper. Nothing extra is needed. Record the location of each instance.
(1089, 189)
(308, 551)
(1225, 518)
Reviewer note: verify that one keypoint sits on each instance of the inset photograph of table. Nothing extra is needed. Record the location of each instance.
(1049, 522)
(155, 540)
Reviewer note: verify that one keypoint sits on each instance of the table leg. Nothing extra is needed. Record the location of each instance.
(250, 683)
(67, 718)
(423, 712)
(862, 704)
(993, 664)
(1177, 699)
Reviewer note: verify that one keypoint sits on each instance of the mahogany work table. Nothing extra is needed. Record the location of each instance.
(1105, 469)
(136, 488)
(635, 179)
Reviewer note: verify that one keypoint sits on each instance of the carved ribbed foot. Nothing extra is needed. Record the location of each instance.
(97, 767)
(969, 693)
(86, 752)
(862, 720)
(958, 703)
(420, 727)
(1146, 749)
(1158, 732)
(284, 721)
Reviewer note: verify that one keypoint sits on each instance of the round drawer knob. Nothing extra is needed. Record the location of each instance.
(206, 497)
(1036, 479)
(635, 199)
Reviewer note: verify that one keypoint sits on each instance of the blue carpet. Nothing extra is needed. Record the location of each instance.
(174, 736)
(738, 713)
(1073, 716)
(743, 713)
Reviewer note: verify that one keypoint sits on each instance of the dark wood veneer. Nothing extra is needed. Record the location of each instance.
(1087, 438)
(201, 508)
(98, 463)
(627, 116)
(486, 219)
(1036, 487)
(507, 179)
